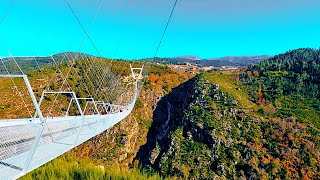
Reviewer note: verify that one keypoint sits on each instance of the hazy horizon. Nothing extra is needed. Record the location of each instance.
(182, 56)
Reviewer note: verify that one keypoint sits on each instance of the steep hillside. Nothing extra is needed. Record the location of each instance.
(296, 71)
(289, 82)
(205, 129)
(118, 146)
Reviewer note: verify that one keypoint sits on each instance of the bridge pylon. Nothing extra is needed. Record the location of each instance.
(137, 72)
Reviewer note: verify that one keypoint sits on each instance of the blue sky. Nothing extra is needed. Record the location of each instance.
(132, 28)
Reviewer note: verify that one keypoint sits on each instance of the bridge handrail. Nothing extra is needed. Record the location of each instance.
(61, 92)
(84, 110)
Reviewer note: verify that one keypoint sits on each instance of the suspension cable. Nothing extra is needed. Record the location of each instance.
(88, 36)
(121, 63)
(6, 12)
(165, 29)
(84, 30)
(163, 34)
(73, 60)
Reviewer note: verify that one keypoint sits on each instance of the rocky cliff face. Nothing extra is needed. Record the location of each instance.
(167, 116)
(186, 133)
(119, 145)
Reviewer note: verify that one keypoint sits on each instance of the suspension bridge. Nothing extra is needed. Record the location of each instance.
(84, 97)
(26, 144)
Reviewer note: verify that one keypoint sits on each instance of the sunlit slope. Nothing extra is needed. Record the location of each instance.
(231, 86)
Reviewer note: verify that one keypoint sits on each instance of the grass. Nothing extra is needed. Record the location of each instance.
(68, 167)
(229, 85)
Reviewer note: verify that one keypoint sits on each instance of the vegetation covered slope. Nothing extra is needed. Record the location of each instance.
(208, 133)
(263, 123)
(294, 72)
(290, 83)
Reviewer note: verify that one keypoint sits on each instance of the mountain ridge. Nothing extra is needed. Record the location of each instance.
(218, 62)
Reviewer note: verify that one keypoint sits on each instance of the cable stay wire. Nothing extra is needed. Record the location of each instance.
(161, 40)
(47, 86)
(123, 63)
(86, 33)
(107, 68)
(90, 72)
(11, 56)
(68, 86)
(73, 62)
(165, 29)
(84, 30)
(6, 12)
(81, 77)
(162, 37)
(103, 74)
(91, 25)
(83, 64)
(40, 70)
(6, 69)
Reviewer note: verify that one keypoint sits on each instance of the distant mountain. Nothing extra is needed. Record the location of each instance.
(242, 60)
(223, 61)
(195, 58)
(32, 63)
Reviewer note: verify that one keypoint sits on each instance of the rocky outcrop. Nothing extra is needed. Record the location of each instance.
(167, 116)
(119, 145)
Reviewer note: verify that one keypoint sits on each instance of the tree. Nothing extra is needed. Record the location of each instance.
(249, 74)
(256, 73)
(260, 97)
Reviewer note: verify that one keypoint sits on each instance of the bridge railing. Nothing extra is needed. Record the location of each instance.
(74, 98)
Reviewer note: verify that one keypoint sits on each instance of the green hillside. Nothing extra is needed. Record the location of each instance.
(212, 136)
(235, 126)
